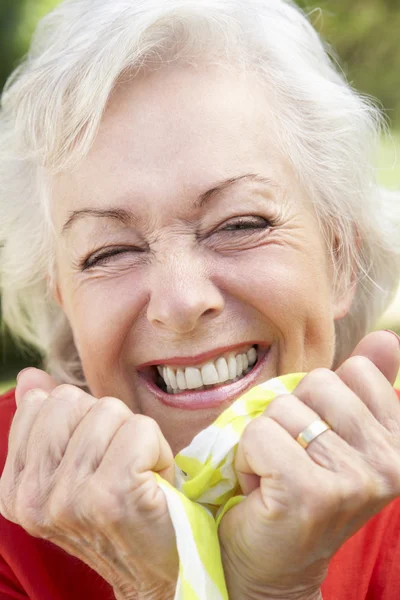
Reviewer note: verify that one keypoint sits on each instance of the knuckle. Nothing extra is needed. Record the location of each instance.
(315, 380)
(279, 404)
(319, 376)
(66, 391)
(256, 432)
(110, 403)
(146, 424)
(34, 397)
(355, 364)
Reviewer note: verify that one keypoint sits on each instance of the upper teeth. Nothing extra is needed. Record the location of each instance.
(211, 373)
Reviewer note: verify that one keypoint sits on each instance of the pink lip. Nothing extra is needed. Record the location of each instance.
(211, 398)
(186, 361)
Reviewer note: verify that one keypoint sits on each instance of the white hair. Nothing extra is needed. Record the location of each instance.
(53, 104)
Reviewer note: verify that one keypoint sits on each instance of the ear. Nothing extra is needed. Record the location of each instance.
(344, 296)
(57, 295)
(55, 291)
(342, 305)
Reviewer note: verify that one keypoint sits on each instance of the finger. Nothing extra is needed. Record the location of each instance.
(295, 487)
(383, 349)
(267, 450)
(373, 388)
(20, 430)
(30, 379)
(135, 506)
(58, 418)
(144, 449)
(91, 439)
(328, 450)
(330, 398)
(367, 439)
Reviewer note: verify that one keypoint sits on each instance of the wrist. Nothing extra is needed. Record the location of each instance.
(242, 584)
(163, 596)
(292, 596)
(269, 595)
(240, 588)
(165, 592)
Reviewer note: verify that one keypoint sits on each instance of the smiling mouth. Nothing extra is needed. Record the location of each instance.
(224, 370)
(203, 390)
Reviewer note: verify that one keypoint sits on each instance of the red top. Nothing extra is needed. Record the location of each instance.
(367, 567)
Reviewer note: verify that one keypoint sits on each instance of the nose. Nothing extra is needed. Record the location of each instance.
(182, 296)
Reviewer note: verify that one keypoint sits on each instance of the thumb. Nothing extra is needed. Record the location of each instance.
(165, 465)
(383, 349)
(30, 379)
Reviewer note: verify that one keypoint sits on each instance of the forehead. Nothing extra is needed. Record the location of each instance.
(174, 133)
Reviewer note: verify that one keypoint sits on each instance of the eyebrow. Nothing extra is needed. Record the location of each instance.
(125, 217)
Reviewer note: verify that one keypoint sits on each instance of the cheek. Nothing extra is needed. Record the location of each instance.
(102, 313)
(284, 286)
(290, 293)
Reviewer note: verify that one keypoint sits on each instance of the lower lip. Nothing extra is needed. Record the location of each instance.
(212, 397)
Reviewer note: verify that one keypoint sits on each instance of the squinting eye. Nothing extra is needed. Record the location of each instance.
(243, 223)
(103, 258)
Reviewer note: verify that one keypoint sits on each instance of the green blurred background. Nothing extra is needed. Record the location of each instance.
(364, 35)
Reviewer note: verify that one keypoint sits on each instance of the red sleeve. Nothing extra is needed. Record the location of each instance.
(34, 568)
(367, 566)
(9, 586)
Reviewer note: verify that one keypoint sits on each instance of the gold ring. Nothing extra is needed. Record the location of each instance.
(311, 432)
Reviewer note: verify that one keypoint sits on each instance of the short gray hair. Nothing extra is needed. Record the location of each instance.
(53, 104)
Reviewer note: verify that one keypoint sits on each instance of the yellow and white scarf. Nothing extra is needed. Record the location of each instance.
(207, 486)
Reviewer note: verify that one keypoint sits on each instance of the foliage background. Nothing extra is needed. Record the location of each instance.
(363, 36)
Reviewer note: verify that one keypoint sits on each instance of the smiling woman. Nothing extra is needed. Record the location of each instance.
(189, 239)
(188, 210)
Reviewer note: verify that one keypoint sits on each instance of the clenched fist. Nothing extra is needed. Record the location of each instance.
(303, 504)
(79, 472)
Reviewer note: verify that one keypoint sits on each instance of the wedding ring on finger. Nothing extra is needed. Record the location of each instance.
(311, 432)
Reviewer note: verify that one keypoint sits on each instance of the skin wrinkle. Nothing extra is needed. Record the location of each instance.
(147, 237)
(196, 287)
(127, 217)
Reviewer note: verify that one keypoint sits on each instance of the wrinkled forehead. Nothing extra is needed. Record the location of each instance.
(173, 134)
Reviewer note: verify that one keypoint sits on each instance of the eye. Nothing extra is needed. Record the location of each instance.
(245, 223)
(105, 256)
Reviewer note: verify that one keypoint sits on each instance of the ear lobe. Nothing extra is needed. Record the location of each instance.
(55, 291)
(57, 296)
(343, 304)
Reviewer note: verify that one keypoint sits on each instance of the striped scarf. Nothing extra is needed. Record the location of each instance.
(207, 486)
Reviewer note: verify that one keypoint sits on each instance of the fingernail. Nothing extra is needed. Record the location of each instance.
(395, 334)
(23, 371)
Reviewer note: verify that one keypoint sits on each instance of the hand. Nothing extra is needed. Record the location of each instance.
(302, 505)
(79, 472)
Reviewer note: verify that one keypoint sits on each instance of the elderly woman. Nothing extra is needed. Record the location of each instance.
(188, 210)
